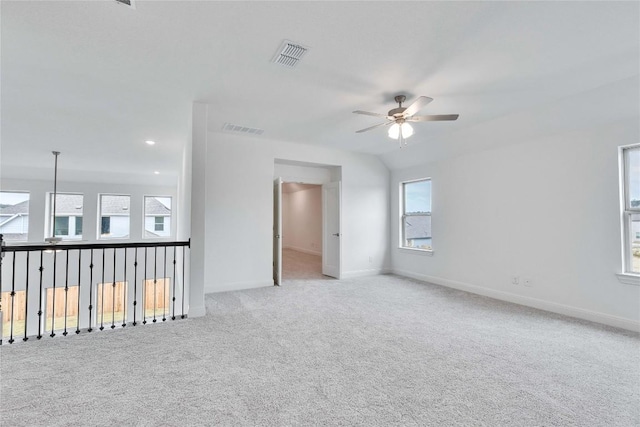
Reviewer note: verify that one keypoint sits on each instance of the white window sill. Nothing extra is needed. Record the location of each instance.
(629, 278)
(423, 252)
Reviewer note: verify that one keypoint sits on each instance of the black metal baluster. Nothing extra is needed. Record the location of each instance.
(164, 286)
(89, 329)
(102, 293)
(144, 290)
(113, 292)
(124, 291)
(53, 299)
(79, 294)
(26, 298)
(155, 281)
(41, 269)
(135, 286)
(173, 311)
(13, 295)
(66, 293)
(183, 259)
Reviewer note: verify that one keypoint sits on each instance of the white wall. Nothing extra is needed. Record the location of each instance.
(302, 220)
(547, 210)
(239, 204)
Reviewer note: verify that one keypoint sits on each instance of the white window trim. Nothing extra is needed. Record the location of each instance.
(401, 247)
(99, 220)
(171, 216)
(626, 276)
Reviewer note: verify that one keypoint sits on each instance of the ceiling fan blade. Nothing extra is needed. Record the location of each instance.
(367, 113)
(390, 122)
(433, 118)
(417, 105)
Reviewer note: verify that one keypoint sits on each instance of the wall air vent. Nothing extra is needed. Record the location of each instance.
(290, 53)
(229, 127)
(128, 3)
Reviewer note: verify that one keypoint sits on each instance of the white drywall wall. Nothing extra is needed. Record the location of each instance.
(239, 205)
(547, 210)
(302, 220)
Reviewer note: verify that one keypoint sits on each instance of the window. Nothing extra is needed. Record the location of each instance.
(61, 226)
(14, 215)
(159, 224)
(105, 225)
(111, 303)
(114, 216)
(157, 216)
(416, 215)
(68, 213)
(61, 308)
(630, 171)
(14, 311)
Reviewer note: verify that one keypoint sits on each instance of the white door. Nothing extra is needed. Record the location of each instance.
(331, 229)
(277, 231)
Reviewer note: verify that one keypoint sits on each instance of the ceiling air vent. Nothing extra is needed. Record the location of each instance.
(229, 127)
(290, 53)
(128, 3)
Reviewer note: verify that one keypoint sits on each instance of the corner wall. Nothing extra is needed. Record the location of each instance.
(547, 210)
(239, 209)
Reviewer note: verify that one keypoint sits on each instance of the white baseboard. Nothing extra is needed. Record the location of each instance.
(364, 273)
(303, 250)
(235, 286)
(567, 310)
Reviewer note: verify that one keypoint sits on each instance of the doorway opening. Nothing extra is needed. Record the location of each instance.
(306, 221)
(301, 231)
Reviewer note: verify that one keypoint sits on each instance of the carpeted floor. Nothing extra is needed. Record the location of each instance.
(375, 351)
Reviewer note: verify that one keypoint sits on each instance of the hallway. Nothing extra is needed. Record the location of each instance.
(301, 266)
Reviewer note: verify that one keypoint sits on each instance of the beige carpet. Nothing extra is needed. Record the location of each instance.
(372, 351)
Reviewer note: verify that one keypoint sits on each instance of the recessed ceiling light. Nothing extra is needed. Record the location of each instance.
(156, 172)
(150, 142)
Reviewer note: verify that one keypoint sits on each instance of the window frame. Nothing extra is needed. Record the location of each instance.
(50, 226)
(170, 230)
(626, 212)
(403, 215)
(111, 215)
(28, 215)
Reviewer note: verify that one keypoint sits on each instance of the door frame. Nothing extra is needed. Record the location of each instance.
(284, 180)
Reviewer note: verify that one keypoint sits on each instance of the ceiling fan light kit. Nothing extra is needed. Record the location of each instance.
(398, 118)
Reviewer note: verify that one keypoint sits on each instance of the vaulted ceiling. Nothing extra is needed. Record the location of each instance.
(95, 79)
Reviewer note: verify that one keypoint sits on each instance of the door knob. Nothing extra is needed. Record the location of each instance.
(336, 234)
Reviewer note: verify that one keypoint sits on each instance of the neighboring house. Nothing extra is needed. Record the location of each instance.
(68, 223)
(114, 216)
(14, 221)
(418, 231)
(157, 218)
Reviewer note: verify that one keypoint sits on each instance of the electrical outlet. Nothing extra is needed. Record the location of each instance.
(515, 280)
(370, 259)
(527, 281)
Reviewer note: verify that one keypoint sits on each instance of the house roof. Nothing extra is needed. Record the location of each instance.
(417, 227)
(18, 208)
(153, 207)
(69, 205)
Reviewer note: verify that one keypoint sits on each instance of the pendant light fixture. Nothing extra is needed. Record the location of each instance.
(53, 239)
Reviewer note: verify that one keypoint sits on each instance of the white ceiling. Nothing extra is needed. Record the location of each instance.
(95, 79)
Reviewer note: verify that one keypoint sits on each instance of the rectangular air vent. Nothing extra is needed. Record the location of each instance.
(290, 54)
(128, 3)
(229, 127)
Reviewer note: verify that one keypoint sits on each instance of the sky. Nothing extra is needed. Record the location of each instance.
(634, 173)
(418, 196)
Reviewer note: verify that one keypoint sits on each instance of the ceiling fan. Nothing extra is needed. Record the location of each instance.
(399, 118)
